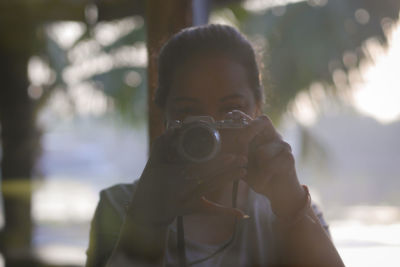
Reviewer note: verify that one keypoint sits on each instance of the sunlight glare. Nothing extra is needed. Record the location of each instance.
(107, 33)
(304, 110)
(261, 5)
(61, 255)
(65, 33)
(88, 99)
(39, 72)
(361, 244)
(379, 94)
(63, 200)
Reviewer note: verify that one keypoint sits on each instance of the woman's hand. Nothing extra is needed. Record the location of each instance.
(167, 189)
(271, 167)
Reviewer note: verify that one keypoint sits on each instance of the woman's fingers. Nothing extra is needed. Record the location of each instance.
(260, 126)
(161, 147)
(276, 153)
(274, 159)
(255, 133)
(279, 160)
(272, 149)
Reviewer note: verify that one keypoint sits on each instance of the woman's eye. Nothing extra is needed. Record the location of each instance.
(232, 107)
(186, 111)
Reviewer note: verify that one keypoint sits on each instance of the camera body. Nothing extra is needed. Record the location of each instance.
(199, 137)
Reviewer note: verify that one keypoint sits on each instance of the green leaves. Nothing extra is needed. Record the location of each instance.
(110, 57)
(127, 87)
(306, 42)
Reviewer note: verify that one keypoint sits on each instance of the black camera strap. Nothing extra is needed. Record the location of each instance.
(181, 241)
(181, 235)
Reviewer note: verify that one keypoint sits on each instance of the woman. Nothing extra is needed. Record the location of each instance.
(181, 213)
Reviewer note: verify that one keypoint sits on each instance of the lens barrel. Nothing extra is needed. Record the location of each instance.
(198, 141)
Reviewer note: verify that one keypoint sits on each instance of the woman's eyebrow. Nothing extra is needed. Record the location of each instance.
(232, 96)
(184, 99)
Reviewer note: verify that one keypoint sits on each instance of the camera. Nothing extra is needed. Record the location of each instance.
(198, 139)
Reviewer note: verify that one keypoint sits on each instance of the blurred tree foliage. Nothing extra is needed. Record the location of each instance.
(304, 42)
(120, 76)
(313, 41)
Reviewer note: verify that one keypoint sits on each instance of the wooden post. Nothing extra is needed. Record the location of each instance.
(20, 139)
(163, 18)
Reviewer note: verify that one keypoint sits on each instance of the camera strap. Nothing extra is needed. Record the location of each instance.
(181, 242)
(181, 235)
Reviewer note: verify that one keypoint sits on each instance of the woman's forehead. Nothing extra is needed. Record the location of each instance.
(216, 75)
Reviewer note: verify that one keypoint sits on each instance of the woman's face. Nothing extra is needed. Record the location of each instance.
(210, 85)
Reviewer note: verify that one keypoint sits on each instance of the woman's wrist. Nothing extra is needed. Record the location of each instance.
(287, 205)
(293, 218)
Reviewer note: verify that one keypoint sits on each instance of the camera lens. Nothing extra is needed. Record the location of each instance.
(199, 143)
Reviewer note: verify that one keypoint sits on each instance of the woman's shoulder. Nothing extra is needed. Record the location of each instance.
(118, 197)
(106, 222)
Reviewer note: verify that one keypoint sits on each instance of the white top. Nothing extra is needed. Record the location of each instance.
(254, 243)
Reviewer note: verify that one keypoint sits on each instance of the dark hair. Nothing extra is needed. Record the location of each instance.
(213, 38)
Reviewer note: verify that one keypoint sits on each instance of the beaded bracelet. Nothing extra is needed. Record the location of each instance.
(289, 221)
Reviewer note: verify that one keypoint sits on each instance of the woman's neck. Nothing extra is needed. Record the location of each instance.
(223, 195)
(212, 227)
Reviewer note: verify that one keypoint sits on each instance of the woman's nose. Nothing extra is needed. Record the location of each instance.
(215, 113)
(215, 116)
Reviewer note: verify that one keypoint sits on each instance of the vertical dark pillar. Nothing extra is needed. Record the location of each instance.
(20, 143)
(163, 18)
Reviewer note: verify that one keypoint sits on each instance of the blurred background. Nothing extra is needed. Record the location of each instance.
(75, 78)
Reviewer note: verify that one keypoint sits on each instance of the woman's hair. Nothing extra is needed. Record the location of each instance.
(208, 39)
